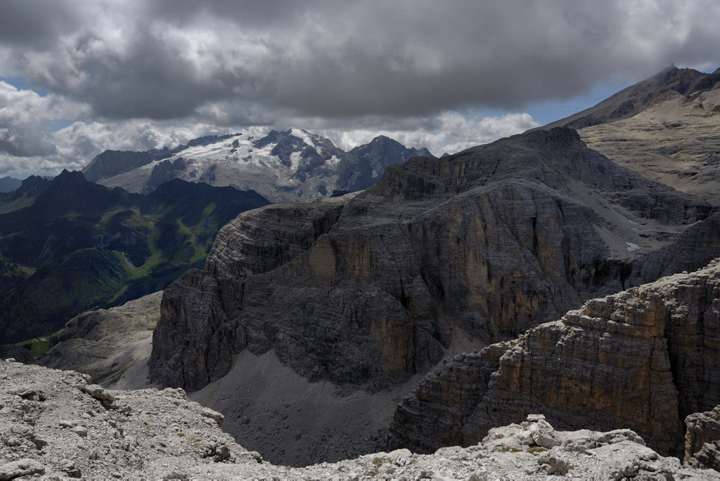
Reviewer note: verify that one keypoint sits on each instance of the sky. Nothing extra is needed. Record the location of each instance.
(81, 76)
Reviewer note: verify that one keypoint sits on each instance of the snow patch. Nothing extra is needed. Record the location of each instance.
(631, 246)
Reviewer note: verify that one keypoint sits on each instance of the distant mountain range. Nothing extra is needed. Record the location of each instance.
(8, 184)
(67, 244)
(282, 165)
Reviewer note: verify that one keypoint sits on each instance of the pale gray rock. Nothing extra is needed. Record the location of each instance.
(111, 345)
(71, 430)
(20, 468)
(160, 435)
(99, 393)
(702, 439)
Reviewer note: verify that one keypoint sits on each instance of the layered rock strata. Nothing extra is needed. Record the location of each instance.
(644, 358)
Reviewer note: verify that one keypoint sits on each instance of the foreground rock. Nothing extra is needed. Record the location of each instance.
(702, 439)
(54, 426)
(54, 423)
(644, 359)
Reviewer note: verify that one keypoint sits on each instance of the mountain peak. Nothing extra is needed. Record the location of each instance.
(32, 185)
(69, 177)
(383, 139)
(669, 82)
(281, 164)
(556, 135)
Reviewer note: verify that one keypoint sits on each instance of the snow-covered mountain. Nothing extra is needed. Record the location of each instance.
(281, 165)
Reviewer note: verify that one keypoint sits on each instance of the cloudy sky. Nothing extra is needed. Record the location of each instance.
(80, 76)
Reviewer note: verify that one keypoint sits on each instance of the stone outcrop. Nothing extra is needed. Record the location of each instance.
(201, 302)
(702, 439)
(111, 345)
(53, 425)
(644, 359)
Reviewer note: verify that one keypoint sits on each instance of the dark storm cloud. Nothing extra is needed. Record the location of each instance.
(25, 143)
(149, 78)
(340, 59)
(35, 23)
(245, 13)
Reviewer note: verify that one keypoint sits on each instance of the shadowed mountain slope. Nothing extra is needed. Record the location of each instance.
(68, 244)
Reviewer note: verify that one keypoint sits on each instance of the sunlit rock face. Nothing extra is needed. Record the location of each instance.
(644, 358)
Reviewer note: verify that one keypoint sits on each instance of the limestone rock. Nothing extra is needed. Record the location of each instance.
(644, 359)
(19, 468)
(161, 435)
(702, 439)
(199, 307)
(111, 345)
(71, 433)
(490, 241)
(100, 394)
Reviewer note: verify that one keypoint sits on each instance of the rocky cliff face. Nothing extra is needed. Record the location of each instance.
(644, 358)
(442, 255)
(487, 243)
(702, 439)
(54, 425)
(202, 303)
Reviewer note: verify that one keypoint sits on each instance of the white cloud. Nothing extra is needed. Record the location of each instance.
(448, 132)
(73, 146)
(24, 116)
(167, 59)
(84, 140)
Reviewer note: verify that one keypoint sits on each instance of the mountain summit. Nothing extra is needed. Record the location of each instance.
(282, 165)
(669, 83)
(666, 128)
